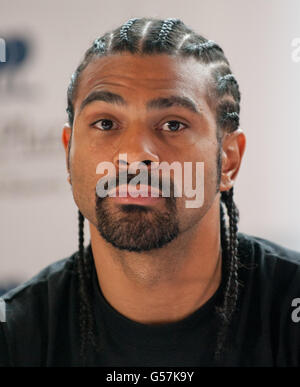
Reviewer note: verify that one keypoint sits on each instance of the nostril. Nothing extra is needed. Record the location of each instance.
(125, 162)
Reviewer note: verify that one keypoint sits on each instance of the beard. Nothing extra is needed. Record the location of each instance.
(134, 227)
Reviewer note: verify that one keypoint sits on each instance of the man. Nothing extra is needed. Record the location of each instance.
(161, 283)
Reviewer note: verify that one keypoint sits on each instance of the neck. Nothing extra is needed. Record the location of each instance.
(166, 284)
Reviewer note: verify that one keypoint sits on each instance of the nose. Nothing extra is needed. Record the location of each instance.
(135, 147)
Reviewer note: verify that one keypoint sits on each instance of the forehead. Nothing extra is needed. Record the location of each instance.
(146, 75)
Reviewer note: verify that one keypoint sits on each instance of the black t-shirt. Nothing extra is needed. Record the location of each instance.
(42, 320)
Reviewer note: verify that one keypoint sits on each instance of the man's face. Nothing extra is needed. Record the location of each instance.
(160, 132)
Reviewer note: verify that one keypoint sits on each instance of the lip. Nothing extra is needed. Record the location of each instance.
(122, 195)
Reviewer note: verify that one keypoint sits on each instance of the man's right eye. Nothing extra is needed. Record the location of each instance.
(104, 124)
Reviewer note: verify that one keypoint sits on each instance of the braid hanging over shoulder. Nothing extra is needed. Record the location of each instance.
(231, 266)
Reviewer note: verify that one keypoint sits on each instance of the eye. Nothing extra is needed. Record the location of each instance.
(173, 126)
(104, 124)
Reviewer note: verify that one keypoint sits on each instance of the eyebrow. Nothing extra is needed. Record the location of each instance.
(174, 100)
(157, 103)
(105, 96)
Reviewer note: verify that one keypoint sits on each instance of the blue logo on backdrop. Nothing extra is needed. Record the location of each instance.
(13, 53)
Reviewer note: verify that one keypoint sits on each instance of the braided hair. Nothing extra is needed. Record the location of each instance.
(171, 36)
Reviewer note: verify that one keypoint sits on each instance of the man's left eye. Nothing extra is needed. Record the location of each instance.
(173, 126)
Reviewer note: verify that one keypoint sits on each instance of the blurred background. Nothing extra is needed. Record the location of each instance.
(45, 40)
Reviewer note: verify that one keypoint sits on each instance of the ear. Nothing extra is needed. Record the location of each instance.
(66, 138)
(233, 149)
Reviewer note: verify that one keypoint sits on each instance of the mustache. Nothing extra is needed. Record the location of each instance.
(144, 178)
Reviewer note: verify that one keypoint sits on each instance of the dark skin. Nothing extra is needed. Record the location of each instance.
(166, 284)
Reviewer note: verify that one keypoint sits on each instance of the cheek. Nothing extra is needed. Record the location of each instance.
(204, 166)
(205, 190)
(84, 159)
(83, 183)
(85, 156)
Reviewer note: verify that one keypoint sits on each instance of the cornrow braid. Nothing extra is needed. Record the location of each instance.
(224, 81)
(228, 108)
(125, 28)
(206, 51)
(200, 47)
(231, 265)
(228, 117)
(227, 84)
(87, 320)
(148, 36)
(99, 46)
(163, 36)
(166, 28)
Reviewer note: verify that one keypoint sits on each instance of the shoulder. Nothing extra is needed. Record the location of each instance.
(54, 275)
(33, 310)
(262, 249)
(269, 266)
(269, 278)
(33, 302)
